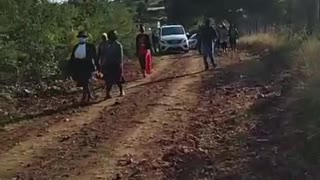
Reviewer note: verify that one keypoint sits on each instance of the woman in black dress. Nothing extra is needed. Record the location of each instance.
(112, 64)
(83, 63)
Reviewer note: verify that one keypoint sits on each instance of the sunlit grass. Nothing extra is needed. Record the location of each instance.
(266, 40)
(301, 56)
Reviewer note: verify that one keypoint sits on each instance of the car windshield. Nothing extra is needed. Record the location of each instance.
(172, 31)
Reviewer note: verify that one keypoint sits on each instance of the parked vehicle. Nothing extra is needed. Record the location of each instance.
(173, 38)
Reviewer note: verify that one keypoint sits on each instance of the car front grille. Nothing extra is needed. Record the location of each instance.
(174, 41)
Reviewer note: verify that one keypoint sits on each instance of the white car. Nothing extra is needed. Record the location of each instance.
(173, 38)
(193, 41)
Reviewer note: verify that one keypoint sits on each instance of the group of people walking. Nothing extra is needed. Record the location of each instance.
(85, 61)
(107, 59)
(209, 39)
(227, 35)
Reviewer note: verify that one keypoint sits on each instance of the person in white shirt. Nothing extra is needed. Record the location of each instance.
(83, 62)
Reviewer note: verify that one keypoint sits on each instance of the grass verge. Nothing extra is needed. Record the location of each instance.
(300, 57)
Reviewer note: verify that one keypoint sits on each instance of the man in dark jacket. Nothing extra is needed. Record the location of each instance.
(234, 35)
(83, 62)
(208, 36)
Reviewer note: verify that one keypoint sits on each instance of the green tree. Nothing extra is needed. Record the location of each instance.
(37, 36)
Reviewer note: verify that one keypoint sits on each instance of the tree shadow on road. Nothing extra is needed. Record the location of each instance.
(240, 132)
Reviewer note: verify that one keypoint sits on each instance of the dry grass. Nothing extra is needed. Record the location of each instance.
(308, 57)
(265, 40)
(302, 57)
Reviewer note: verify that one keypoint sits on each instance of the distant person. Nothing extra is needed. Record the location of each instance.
(218, 43)
(143, 45)
(224, 37)
(208, 37)
(233, 35)
(155, 41)
(112, 64)
(84, 62)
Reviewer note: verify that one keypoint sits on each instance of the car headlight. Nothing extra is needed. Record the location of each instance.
(184, 41)
(163, 42)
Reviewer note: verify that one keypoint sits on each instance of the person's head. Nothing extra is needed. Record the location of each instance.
(141, 28)
(207, 22)
(113, 35)
(104, 37)
(82, 36)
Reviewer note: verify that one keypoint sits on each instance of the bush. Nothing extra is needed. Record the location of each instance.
(37, 36)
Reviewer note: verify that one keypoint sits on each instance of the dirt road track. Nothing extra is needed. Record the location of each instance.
(43, 149)
(181, 123)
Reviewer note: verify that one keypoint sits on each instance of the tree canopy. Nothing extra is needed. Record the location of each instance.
(37, 36)
(304, 13)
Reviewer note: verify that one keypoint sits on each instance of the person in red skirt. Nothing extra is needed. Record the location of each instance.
(143, 46)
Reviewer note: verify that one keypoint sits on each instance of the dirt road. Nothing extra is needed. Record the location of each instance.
(180, 123)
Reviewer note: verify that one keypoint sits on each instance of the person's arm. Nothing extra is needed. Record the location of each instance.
(99, 50)
(137, 44)
(149, 43)
(95, 57)
(237, 33)
(70, 65)
(119, 53)
(215, 34)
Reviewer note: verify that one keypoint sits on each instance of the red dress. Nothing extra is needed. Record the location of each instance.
(148, 62)
(143, 45)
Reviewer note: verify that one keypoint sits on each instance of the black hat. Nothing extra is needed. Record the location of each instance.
(82, 34)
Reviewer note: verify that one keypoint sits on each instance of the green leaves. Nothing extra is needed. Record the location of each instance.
(37, 36)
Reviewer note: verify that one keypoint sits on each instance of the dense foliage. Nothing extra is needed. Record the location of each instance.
(36, 36)
(293, 13)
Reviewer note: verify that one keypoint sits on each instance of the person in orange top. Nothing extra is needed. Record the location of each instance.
(143, 45)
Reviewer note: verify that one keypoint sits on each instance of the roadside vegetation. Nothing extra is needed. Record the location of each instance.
(298, 57)
(37, 36)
